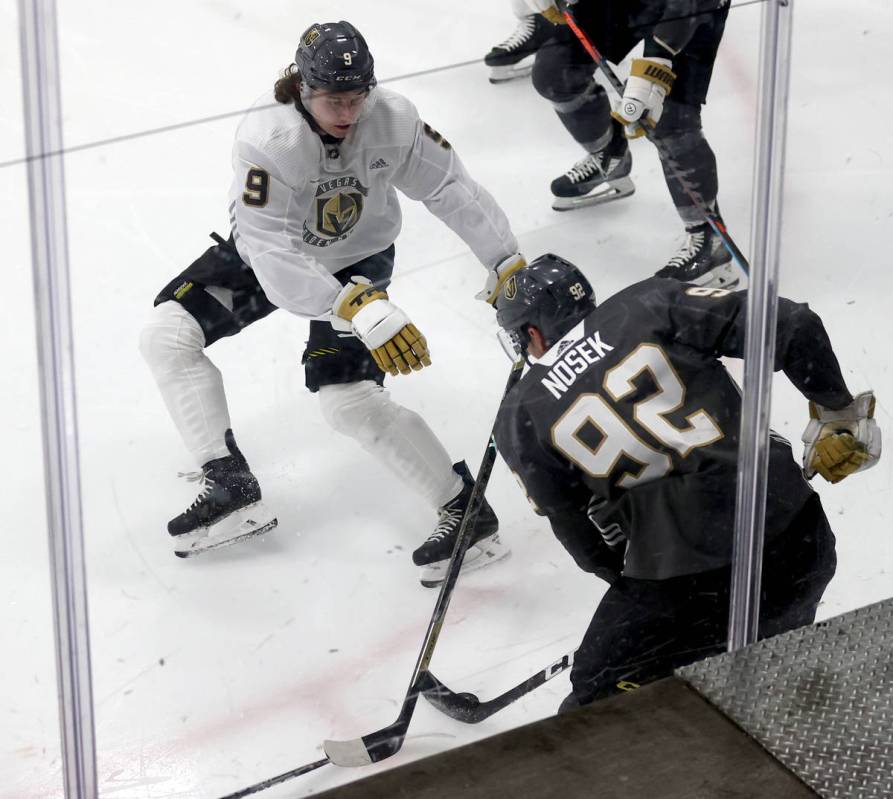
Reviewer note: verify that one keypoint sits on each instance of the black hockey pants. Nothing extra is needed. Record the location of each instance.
(329, 357)
(644, 629)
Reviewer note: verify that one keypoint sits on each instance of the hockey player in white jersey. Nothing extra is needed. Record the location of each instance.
(314, 216)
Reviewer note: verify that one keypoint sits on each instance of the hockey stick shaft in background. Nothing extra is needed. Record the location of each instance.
(387, 741)
(262, 786)
(468, 708)
(666, 157)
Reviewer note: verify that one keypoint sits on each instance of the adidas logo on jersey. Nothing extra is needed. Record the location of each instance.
(380, 163)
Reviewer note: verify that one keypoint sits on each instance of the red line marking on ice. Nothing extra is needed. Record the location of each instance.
(210, 735)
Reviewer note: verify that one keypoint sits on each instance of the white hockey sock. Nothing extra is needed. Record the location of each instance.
(172, 343)
(398, 437)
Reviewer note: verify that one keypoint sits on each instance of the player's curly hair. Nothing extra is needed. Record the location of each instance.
(288, 88)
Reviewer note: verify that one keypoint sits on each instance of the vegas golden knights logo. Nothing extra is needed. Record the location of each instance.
(338, 207)
(311, 37)
(335, 216)
(510, 289)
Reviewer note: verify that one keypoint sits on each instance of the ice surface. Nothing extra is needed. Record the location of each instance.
(216, 672)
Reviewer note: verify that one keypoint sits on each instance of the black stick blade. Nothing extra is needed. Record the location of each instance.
(464, 707)
(469, 709)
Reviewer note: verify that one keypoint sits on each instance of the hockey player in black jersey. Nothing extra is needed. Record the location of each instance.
(667, 88)
(624, 433)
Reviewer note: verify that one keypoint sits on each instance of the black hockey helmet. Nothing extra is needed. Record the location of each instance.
(549, 293)
(334, 56)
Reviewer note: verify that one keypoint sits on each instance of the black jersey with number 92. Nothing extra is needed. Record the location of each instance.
(634, 407)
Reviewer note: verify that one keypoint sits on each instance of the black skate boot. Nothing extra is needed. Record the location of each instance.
(703, 259)
(598, 178)
(434, 555)
(228, 508)
(513, 57)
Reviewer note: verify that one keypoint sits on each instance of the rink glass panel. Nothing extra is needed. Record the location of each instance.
(218, 672)
(837, 223)
(29, 719)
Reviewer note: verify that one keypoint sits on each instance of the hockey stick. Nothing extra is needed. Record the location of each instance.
(261, 786)
(469, 709)
(712, 219)
(387, 741)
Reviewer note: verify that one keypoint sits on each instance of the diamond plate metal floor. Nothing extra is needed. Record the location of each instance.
(820, 699)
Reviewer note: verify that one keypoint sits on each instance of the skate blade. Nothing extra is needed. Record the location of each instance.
(509, 72)
(620, 188)
(248, 522)
(483, 553)
(729, 276)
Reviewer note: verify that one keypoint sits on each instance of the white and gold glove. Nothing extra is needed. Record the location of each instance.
(839, 443)
(394, 342)
(497, 275)
(649, 82)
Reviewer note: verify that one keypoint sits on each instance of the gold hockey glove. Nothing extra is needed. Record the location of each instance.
(393, 341)
(554, 15)
(548, 8)
(840, 443)
(497, 275)
(649, 82)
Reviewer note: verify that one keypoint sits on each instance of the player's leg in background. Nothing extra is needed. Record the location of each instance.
(354, 403)
(563, 74)
(797, 567)
(680, 134)
(684, 150)
(215, 297)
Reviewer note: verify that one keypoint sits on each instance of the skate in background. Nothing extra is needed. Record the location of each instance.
(665, 91)
(513, 57)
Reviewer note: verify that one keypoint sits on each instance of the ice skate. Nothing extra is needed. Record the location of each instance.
(434, 555)
(513, 58)
(228, 508)
(598, 178)
(704, 260)
(239, 525)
